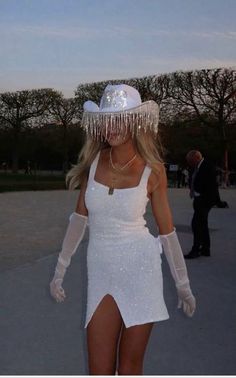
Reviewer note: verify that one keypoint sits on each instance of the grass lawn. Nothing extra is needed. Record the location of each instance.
(20, 182)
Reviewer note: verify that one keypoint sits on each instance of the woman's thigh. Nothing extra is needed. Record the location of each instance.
(103, 333)
(133, 343)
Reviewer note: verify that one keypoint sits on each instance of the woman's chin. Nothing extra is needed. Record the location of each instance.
(115, 140)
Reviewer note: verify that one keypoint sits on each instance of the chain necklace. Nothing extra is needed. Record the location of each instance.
(119, 170)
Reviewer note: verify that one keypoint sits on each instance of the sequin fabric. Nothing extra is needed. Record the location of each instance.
(114, 99)
(123, 258)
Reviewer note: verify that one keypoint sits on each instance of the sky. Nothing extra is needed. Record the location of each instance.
(62, 43)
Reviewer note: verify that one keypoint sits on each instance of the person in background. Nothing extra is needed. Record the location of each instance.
(185, 177)
(204, 192)
(28, 168)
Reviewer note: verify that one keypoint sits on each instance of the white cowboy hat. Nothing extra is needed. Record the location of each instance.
(120, 106)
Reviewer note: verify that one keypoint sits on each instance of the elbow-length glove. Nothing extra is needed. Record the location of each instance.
(74, 234)
(176, 262)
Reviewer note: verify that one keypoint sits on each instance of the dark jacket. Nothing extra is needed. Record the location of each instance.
(205, 183)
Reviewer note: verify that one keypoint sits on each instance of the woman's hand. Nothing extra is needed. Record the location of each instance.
(56, 290)
(186, 300)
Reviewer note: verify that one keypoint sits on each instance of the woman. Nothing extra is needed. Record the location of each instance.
(119, 172)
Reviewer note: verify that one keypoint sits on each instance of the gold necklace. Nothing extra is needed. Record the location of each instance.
(111, 188)
(120, 169)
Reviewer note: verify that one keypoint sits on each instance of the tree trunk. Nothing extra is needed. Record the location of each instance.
(15, 151)
(225, 179)
(65, 150)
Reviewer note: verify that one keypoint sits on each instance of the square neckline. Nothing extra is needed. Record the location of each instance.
(96, 161)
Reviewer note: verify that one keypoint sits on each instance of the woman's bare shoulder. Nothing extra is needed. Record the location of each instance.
(157, 178)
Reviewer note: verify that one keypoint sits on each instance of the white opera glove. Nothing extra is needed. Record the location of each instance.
(175, 259)
(74, 234)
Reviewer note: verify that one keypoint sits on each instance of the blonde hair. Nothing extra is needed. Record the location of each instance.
(146, 143)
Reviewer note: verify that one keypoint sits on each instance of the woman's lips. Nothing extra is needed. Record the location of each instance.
(113, 136)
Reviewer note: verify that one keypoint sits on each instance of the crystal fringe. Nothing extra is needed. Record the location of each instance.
(145, 116)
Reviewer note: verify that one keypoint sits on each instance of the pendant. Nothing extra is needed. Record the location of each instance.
(111, 191)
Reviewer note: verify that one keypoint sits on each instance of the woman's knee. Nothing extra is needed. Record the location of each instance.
(132, 349)
(101, 368)
(130, 369)
(130, 366)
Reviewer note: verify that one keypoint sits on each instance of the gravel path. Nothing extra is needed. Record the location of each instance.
(32, 224)
(41, 337)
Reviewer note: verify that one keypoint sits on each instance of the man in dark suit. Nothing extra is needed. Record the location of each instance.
(204, 191)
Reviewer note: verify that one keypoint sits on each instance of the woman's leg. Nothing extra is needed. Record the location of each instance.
(103, 333)
(132, 348)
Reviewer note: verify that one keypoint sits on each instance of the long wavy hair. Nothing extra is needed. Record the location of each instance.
(147, 144)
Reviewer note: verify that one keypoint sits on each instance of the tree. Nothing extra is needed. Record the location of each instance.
(17, 109)
(64, 112)
(210, 94)
(91, 91)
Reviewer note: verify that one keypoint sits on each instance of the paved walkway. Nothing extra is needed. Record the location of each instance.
(41, 337)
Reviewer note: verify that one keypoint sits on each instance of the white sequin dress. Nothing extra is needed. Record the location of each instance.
(123, 258)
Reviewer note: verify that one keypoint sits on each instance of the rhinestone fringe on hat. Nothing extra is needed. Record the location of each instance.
(143, 117)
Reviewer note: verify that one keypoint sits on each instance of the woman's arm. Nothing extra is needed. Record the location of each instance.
(74, 234)
(81, 207)
(170, 242)
(157, 188)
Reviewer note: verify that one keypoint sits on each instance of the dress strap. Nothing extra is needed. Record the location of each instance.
(145, 176)
(93, 166)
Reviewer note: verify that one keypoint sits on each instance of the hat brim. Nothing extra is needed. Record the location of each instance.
(147, 106)
(144, 116)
